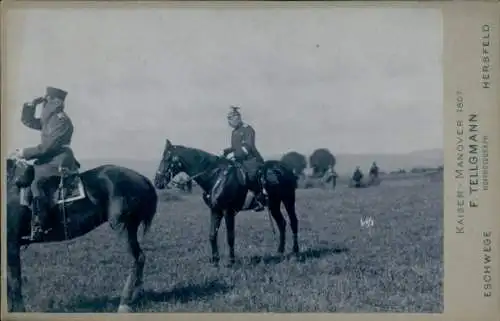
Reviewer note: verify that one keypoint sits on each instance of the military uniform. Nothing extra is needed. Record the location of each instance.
(357, 177)
(56, 131)
(245, 152)
(374, 170)
(332, 175)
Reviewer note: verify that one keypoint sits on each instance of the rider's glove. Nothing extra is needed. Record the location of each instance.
(38, 101)
(19, 153)
(226, 151)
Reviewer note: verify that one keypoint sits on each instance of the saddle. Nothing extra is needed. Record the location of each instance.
(62, 189)
(211, 198)
(242, 173)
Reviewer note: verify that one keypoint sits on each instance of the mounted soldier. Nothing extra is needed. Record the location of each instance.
(357, 177)
(331, 176)
(244, 151)
(374, 170)
(52, 154)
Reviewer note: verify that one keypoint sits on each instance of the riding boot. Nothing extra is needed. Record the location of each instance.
(38, 228)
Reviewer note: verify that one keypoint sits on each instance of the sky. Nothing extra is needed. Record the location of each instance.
(354, 80)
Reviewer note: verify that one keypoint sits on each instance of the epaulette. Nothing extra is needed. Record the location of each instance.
(245, 125)
(60, 115)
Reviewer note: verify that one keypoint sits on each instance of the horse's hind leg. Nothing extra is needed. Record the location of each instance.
(133, 286)
(289, 203)
(275, 210)
(14, 280)
(229, 218)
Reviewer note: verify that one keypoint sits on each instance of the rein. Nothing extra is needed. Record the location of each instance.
(190, 178)
(20, 160)
(199, 174)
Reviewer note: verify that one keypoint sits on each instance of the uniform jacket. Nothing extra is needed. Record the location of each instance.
(357, 176)
(374, 170)
(243, 144)
(56, 131)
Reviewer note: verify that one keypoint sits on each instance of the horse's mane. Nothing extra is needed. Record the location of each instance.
(206, 156)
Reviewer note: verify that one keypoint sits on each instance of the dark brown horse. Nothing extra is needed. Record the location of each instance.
(224, 185)
(108, 193)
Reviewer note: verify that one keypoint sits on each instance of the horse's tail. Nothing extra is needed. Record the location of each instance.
(150, 208)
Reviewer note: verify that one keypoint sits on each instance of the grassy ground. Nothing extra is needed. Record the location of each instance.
(396, 265)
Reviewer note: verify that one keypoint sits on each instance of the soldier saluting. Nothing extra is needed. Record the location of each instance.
(56, 131)
(244, 151)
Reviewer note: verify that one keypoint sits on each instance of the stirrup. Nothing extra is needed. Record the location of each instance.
(259, 207)
(36, 234)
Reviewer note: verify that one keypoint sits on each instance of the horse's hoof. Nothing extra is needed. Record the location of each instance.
(296, 257)
(17, 309)
(138, 293)
(124, 308)
(231, 263)
(215, 261)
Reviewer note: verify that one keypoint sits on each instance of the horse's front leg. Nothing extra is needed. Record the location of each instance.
(215, 220)
(229, 218)
(15, 300)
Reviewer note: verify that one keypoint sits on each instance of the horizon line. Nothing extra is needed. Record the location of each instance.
(275, 155)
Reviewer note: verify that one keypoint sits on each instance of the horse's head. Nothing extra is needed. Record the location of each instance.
(170, 165)
(19, 172)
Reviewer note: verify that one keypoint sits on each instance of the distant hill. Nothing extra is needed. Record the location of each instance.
(345, 162)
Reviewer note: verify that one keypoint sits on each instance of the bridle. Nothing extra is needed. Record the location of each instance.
(176, 163)
(167, 172)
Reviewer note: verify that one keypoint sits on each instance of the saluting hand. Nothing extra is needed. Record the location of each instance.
(38, 101)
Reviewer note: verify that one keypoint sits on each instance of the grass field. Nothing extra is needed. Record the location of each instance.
(394, 266)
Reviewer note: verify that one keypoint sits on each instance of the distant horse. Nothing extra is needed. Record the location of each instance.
(121, 196)
(184, 184)
(224, 185)
(374, 180)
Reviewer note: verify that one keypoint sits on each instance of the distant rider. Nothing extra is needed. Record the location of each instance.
(374, 170)
(332, 176)
(357, 177)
